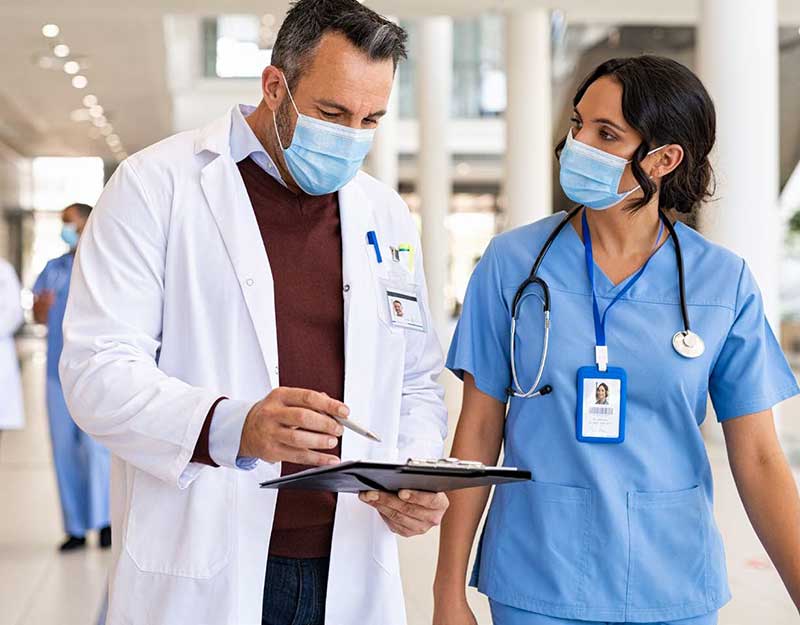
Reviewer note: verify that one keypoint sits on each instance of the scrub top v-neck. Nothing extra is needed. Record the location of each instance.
(623, 532)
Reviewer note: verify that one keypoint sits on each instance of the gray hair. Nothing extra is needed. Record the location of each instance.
(307, 20)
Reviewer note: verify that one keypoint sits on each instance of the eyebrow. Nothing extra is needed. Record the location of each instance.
(601, 120)
(343, 109)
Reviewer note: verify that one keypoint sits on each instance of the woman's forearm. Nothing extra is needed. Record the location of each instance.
(479, 437)
(769, 494)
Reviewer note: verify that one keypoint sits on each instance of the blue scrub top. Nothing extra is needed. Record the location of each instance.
(614, 532)
(55, 277)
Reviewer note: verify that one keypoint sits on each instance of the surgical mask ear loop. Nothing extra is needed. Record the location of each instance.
(274, 116)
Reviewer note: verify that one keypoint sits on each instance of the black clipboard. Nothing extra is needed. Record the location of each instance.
(354, 476)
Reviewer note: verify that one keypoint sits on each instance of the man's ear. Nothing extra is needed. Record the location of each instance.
(666, 160)
(273, 87)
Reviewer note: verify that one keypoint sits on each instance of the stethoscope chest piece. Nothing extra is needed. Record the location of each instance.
(688, 344)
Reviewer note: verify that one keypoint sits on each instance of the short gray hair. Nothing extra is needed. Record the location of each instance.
(307, 20)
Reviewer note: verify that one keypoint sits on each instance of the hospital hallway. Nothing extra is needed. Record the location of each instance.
(39, 586)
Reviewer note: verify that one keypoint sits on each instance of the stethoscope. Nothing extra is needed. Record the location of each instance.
(685, 342)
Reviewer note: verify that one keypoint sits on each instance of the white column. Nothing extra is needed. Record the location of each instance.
(529, 120)
(383, 162)
(738, 62)
(384, 157)
(737, 58)
(434, 80)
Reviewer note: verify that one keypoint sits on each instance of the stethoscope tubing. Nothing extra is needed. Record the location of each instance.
(533, 278)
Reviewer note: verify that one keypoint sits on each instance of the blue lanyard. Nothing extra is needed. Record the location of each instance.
(600, 321)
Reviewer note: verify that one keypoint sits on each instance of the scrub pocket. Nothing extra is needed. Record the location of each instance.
(669, 551)
(543, 544)
(163, 535)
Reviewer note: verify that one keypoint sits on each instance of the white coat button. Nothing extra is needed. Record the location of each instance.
(346, 288)
(276, 370)
(250, 282)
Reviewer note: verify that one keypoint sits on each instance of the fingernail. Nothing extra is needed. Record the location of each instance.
(333, 461)
(339, 431)
(404, 495)
(372, 496)
(343, 411)
(331, 442)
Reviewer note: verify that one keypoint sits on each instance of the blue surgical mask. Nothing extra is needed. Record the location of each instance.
(590, 176)
(323, 156)
(69, 234)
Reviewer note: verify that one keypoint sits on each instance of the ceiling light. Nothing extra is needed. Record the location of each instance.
(106, 130)
(100, 121)
(89, 100)
(72, 67)
(96, 110)
(50, 30)
(79, 82)
(61, 50)
(112, 140)
(79, 115)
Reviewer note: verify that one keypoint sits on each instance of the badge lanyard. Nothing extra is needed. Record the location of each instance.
(602, 390)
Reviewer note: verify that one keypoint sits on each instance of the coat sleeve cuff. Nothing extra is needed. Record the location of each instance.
(225, 434)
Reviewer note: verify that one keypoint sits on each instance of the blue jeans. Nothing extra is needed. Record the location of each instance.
(294, 591)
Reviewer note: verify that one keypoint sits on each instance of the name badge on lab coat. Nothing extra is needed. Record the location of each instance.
(404, 302)
(602, 398)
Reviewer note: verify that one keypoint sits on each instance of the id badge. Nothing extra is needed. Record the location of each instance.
(404, 303)
(602, 398)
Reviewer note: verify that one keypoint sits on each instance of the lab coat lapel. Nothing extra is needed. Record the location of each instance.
(359, 306)
(227, 198)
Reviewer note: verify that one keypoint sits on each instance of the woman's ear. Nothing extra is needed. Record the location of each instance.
(665, 161)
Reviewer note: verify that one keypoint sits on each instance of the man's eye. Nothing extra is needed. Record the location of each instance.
(329, 114)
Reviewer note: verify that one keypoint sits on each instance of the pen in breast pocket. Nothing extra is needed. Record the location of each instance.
(355, 427)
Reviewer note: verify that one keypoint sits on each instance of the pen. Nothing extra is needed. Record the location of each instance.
(372, 239)
(352, 425)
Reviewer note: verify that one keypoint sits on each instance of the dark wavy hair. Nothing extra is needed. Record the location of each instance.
(665, 103)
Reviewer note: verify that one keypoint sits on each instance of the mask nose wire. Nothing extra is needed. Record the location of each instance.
(274, 116)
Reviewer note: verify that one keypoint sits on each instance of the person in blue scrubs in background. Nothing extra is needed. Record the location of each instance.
(82, 465)
(617, 524)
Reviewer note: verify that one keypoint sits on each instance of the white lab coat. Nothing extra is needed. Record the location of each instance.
(12, 415)
(171, 306)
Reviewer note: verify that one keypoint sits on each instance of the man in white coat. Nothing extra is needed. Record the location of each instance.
(230, 293)
(12, 416)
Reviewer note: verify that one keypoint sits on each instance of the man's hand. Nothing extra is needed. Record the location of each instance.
(41, 306)
(289, 423)
(410, 512)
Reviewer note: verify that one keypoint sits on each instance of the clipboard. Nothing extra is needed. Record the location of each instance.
(354, 476)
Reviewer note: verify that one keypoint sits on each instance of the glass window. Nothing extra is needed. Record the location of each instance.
(238, 46)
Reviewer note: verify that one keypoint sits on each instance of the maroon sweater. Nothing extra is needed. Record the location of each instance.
(303, 239)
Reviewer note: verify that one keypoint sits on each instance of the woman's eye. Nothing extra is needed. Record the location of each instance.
(575, 122)
(607, 136)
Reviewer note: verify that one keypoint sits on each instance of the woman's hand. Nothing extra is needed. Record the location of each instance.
(453, 610)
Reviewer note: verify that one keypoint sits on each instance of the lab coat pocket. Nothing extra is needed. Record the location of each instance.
(186, 533)
(668, 550)
(543, 556)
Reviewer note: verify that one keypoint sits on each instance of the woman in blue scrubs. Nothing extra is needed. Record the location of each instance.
(82, 465)
(617, 524)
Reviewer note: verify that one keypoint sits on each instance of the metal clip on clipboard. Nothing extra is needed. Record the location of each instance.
(447, 463)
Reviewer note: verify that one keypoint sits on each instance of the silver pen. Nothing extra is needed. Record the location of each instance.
(355, 427)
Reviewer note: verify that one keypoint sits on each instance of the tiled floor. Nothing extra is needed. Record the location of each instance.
(38, 586)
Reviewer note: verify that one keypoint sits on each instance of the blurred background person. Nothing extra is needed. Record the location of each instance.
(12, 415)
(81, 465)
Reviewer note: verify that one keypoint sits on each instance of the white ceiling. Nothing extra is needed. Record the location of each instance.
(123, 42)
